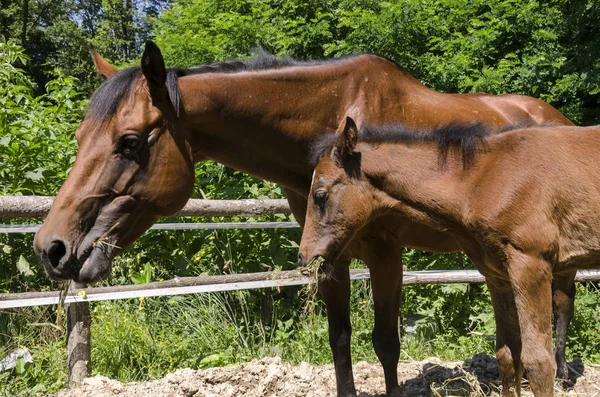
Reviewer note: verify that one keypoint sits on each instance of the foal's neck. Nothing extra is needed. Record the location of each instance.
(419, 185)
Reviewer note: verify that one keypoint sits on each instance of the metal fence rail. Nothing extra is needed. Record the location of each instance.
(176, 226)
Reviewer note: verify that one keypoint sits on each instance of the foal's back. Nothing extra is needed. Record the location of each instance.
(539, 188)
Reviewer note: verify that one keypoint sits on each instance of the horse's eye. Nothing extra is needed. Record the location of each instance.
(130, 145)
(320, 198)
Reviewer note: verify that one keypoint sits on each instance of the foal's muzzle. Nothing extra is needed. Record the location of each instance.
(301, 262)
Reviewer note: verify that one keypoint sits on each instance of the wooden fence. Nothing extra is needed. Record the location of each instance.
(78, 297)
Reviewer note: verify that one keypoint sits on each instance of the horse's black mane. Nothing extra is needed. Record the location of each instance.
(464, 139)
(105, 101)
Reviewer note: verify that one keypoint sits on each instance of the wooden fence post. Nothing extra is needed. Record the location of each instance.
(78, 339)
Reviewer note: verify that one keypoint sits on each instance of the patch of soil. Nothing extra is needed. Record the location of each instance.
(271, 377)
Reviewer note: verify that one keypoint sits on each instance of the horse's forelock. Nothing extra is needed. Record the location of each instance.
(108, 97)
(113, 91)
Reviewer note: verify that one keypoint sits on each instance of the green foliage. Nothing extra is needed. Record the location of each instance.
(195, 32)
(33, 329)
(37, 143)
(37, 149)
(56, 34)
(583, 338)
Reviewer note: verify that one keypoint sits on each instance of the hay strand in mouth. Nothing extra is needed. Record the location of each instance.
(60, 310)
(312, 269)
(315, 273)
(100, 241)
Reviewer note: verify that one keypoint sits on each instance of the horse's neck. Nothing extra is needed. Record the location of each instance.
(263, 122)
(257, 96)
(419, 187)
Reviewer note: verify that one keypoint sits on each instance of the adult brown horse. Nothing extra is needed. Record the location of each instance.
(524, 205)
(146, 127)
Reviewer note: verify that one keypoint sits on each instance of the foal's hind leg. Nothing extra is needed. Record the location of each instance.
(385, 264)
(531, 280)
(335, 291)
(563, 299)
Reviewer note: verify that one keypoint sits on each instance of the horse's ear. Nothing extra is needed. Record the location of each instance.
(153, 66)
(105, 69)
(346, 141)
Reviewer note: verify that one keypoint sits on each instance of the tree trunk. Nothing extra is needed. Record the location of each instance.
(128, 32)
(25, 18)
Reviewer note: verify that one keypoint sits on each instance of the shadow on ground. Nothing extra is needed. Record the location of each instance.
(476, 376)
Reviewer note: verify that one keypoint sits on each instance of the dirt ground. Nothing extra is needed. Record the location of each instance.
(271, 377)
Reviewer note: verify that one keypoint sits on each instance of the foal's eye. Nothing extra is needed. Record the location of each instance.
(130, 145)
(320, 198)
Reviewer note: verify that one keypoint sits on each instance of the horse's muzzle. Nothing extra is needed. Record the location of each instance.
(56, 257)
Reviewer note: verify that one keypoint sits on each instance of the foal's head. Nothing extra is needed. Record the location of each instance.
(340, 202)
(132, 166)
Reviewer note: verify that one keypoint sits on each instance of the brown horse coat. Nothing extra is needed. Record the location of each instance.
(524, 205)
(145, 127)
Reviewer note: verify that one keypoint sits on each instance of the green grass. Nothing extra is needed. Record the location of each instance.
(33, 329)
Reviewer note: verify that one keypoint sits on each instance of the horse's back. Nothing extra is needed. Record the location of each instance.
(522, 106)
(518, 109)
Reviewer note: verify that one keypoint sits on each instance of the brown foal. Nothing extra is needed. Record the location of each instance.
(146, 127)
(524, 205)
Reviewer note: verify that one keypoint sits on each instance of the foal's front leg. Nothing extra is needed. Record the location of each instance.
(335, 291)
(531, 280)
(384, 260)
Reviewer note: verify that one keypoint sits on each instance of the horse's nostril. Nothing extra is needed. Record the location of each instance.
(56, 251)
(300, 260)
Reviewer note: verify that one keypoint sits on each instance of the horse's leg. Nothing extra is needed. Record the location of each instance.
(508, 337)
(385, 265)
(563, 299)
(336, 293)
(531, 280)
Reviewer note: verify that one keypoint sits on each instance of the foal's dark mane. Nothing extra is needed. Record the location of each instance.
(105, 101)
(464, 139)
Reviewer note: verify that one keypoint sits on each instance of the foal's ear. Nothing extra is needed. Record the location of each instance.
(153, 66)
(346, 141)
(105, 69)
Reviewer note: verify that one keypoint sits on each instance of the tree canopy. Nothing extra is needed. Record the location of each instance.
(547, 49)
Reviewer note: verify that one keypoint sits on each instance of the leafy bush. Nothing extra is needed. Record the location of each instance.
(37, 142)
(37, 149)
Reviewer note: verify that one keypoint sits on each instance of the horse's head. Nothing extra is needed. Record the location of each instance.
(133, 165)
(339, 202)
